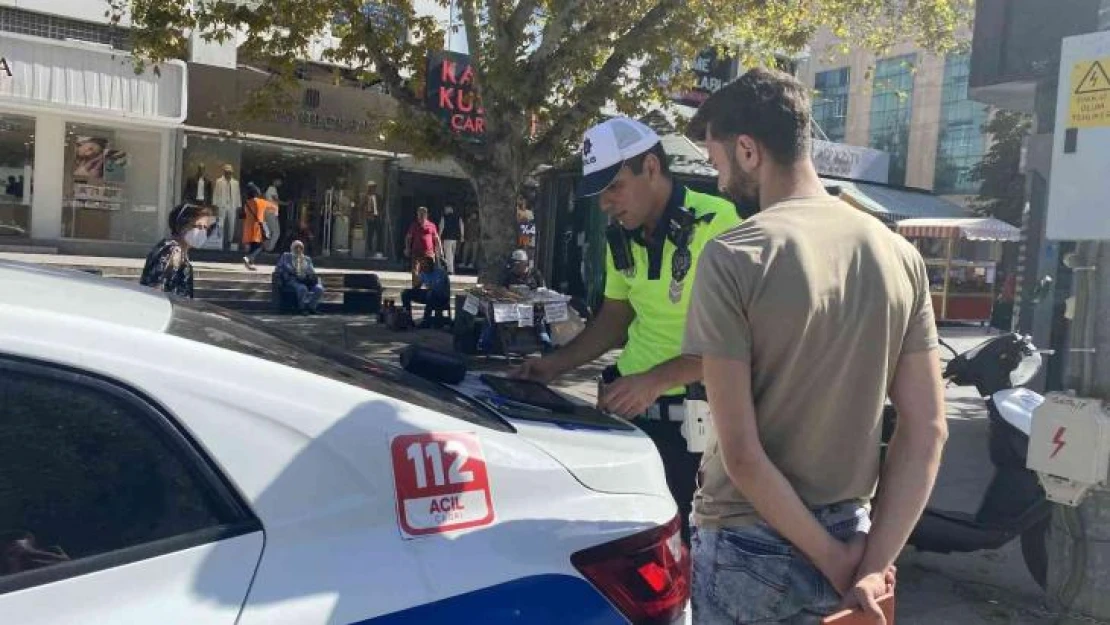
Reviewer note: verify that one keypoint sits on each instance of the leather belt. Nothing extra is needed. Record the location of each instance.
(665, 411)
(670, 408)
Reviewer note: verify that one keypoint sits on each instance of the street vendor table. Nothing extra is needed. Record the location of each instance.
(515, 315)
(963, 290)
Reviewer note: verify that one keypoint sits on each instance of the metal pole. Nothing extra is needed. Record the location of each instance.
(1079, 539)
(947, 277)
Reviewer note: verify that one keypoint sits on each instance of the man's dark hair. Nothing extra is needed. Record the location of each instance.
(184, 215)
(768, 105)
(636, 163)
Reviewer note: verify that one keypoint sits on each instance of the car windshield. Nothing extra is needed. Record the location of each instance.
(209, 324)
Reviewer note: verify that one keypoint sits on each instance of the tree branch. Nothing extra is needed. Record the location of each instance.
(592, 96)
(518, 21)
(391, 75)
(473, 42)
(554, 30)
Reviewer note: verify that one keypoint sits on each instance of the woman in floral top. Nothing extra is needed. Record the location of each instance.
(167, 265)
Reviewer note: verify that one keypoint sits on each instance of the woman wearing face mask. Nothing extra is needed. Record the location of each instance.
(167, 265)
(296, 276)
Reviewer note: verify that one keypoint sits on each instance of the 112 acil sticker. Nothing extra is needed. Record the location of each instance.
(441, 483)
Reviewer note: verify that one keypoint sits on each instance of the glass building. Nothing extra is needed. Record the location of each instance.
(891, 110)
(830, 103)
(961, 142)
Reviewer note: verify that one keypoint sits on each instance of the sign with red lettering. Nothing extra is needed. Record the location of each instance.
(441, 483)
(451, 93)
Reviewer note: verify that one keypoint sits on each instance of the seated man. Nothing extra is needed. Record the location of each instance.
(518, 272)
(434, 292)
(295, 275)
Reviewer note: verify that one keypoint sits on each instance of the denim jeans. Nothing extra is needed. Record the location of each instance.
(308, 297)
(752, 575)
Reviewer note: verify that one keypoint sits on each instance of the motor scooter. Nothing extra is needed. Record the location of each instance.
(1014, 504)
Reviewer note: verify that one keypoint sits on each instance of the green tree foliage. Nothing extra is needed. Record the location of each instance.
(1001, 184)
(544, 68)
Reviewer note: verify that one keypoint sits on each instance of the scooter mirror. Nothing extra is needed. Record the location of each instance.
(1027, 367)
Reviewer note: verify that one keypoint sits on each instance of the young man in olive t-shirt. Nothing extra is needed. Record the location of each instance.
(805, 317)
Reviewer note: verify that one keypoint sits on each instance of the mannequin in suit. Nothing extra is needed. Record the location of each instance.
(227, 198)
(198, 189)
(372, 211)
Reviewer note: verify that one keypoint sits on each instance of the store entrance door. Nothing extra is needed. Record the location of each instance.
(320, 195)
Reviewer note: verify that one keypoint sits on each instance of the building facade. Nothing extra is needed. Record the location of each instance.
(908, 103)
(93, 155)
(86, 144)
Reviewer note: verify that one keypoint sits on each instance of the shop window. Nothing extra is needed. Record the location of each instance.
(830, 104)
(322, 195)
(111, 185)
(17, 156)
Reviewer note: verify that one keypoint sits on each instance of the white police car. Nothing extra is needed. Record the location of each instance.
(168, 462)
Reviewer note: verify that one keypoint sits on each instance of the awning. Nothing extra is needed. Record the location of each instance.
(90, 81)
(892, 204)
(974, 229)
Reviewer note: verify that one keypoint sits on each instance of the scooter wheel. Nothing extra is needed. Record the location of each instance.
(1034, 550)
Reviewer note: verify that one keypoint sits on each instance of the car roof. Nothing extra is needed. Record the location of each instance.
(81, 295)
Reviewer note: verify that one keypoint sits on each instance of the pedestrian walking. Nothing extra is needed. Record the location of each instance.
(471, 245)
(273, 217)
(805, 318)
(452, 231)
(255, 228)
(167, 266)
(660, 228)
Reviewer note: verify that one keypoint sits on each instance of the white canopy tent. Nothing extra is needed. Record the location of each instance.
(951, 230)
(970, 228)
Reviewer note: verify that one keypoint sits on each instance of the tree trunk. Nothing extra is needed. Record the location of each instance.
(497, 194)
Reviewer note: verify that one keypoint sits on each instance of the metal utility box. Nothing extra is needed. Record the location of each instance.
(1069, 446)
(1079, 188)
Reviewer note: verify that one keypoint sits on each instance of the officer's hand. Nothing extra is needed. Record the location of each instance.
(630, 396)
(537, 370)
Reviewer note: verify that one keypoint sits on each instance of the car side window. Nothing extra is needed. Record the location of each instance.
(87, 473)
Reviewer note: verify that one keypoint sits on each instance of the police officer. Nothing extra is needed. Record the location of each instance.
(659, 231)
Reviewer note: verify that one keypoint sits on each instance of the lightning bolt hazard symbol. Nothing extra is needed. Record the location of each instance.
(1058, 440)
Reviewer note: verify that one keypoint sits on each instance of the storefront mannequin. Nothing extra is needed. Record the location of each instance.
(373, 209)
(198, 189)
(227, 198)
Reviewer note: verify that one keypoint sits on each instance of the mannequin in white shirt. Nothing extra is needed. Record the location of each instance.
(198, 189)
(227, 198)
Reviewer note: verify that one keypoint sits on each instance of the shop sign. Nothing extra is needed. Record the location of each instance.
(851, 161)
(451, 94)
(710, 74)
(317, 121)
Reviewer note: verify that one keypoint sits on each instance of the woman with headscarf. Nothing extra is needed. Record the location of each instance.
(296, 275)
(167, 265)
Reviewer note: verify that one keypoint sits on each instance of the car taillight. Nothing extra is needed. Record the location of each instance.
(646, 575)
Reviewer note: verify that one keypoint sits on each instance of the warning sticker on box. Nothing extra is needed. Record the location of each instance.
(441, 483)
(1089, 98)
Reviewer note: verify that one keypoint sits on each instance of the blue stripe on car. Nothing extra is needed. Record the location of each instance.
(537, 600)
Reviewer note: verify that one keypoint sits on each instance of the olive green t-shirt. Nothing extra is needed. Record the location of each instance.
(821, 300)
(655, 335)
